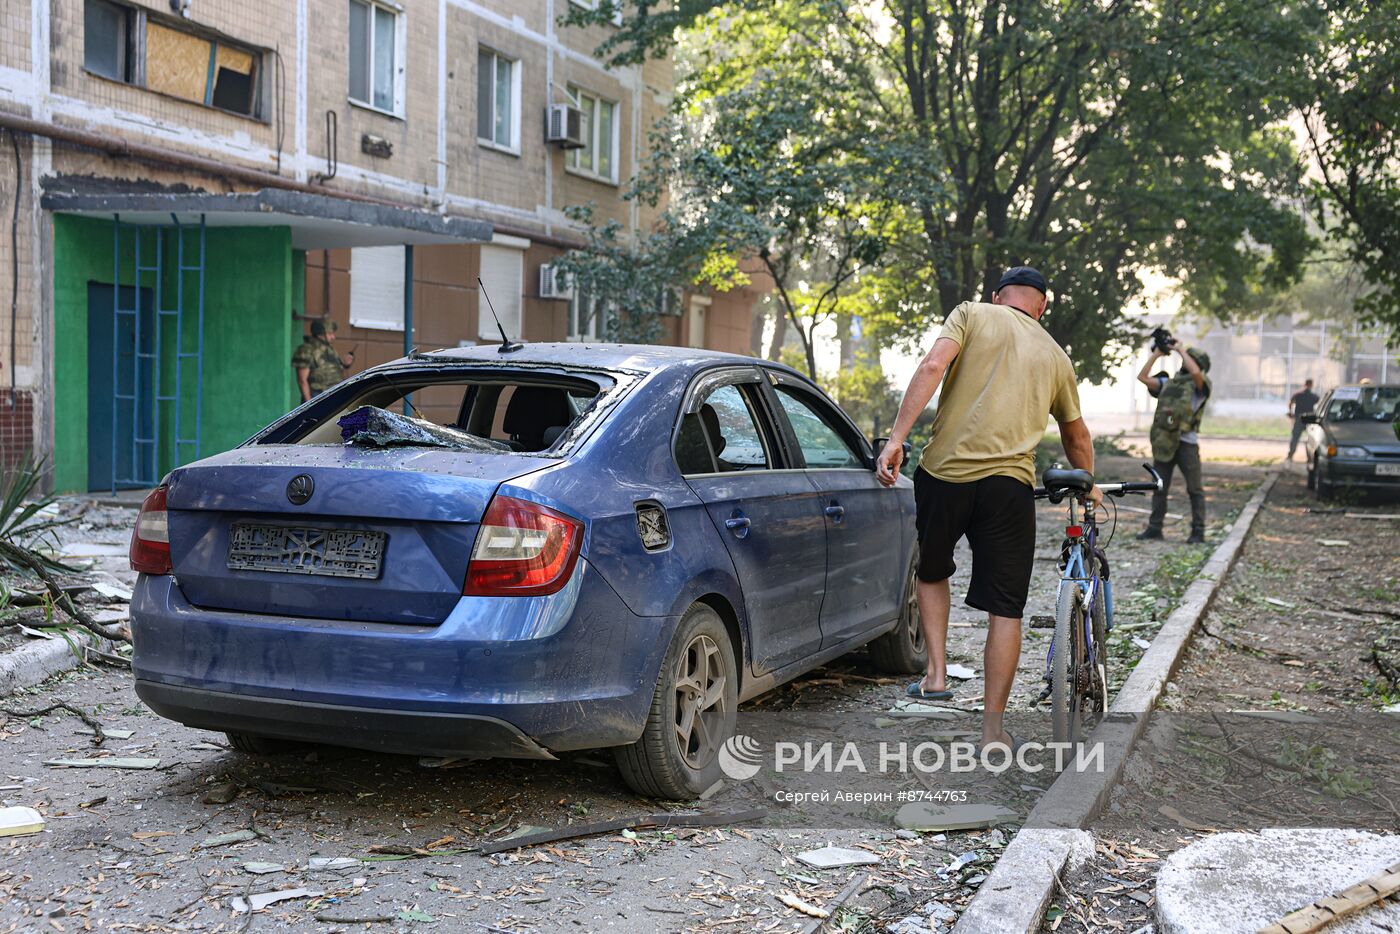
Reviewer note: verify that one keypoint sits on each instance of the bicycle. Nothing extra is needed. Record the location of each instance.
(1077, 676)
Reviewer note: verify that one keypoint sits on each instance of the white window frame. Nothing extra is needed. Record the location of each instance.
(400, 64)
(515, 69)
(571, 160)
(593, 5)
(598, 314)
(377, 293)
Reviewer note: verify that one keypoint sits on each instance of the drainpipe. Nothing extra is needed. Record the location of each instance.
(407, 310)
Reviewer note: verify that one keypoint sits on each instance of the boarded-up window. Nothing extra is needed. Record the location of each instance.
(376, 287)
(503, 274)
(195, 68)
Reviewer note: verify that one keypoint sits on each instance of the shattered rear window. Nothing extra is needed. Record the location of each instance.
(486, 410)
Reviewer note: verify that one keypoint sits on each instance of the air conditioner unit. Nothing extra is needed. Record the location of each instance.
(554, 283)
(563, 125)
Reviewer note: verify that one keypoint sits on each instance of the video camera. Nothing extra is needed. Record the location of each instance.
(1161, 340)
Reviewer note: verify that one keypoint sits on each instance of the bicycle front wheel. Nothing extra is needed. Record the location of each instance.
(1064, 664)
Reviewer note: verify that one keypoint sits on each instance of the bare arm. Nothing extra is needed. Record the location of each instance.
(916, 398)
(1145, 374)
(1079, 448)
(302, 373)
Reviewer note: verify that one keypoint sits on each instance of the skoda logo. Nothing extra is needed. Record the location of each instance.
(300, 489)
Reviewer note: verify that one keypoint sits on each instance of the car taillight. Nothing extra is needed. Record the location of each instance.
(522, 549)
(150, 542)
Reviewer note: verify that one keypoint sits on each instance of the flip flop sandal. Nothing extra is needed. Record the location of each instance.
(916, 690)
(1016, 746)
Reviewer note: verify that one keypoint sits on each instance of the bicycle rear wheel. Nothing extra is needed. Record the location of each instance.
(1065, 662)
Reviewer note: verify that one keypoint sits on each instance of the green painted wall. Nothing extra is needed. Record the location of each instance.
(248, 301)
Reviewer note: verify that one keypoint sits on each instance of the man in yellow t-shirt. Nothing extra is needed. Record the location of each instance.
(1005, 378)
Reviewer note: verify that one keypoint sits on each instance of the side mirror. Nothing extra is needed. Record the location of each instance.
(880, 443)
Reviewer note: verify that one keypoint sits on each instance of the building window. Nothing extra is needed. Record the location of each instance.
(497, 100)
(168, 56)
(503, 275)
(107, 40)
(376, 287)
(588, 316)
(597, 157)
(375, 70)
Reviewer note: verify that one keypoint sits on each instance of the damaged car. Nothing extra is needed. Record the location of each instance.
(478, 553)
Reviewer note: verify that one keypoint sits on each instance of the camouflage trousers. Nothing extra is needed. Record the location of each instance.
(1188, 458)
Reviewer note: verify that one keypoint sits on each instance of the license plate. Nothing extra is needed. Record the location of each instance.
(1388, 470)
(300, 550)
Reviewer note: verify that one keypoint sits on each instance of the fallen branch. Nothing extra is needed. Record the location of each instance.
(841, 898)
(644, 822)
(98, 734)
(61, 598)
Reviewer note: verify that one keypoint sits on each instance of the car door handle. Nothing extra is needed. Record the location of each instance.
(739, 525)
(836, 511)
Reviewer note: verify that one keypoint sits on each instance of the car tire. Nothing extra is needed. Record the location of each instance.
(255, 745)
(902, 650)
(698, 687)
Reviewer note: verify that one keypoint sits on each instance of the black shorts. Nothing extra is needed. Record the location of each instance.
(997, 514)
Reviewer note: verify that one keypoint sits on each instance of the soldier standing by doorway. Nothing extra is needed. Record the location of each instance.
(1181, 402)
(1300, 404)
(317, 365)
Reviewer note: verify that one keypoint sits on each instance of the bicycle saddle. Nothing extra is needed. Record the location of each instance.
(1061, 480)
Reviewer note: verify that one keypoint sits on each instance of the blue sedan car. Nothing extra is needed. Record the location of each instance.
(568, 546)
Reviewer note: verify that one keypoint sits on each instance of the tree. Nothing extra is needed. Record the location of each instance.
(1349, 97)
(1093, 138)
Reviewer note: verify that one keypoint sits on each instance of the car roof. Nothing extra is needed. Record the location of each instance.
(1366, 386)
(643, 357)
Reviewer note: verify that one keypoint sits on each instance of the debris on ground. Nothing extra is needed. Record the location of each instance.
(19, 821)
(227, 839)
(926, 816)
(110, 762)
(260, 901)
(836, 857)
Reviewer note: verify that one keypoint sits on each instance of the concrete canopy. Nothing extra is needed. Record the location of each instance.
(316, 221)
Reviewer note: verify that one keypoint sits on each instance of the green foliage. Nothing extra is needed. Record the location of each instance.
(889, 159)
(1349, 96)
(23, 510)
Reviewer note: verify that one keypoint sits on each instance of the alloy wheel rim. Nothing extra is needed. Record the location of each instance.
(701, 706)
(915, 626)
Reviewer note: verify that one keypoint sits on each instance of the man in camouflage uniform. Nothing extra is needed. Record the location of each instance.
(317, 365)
(1181, 401)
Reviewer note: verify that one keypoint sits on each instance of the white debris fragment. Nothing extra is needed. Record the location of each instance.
(835, 857)
(263, 899)
(961, 672)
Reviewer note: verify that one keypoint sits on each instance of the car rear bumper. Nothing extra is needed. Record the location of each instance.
(415, 732)
(574, 670)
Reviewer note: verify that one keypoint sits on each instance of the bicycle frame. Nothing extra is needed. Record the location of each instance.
(1081, 539)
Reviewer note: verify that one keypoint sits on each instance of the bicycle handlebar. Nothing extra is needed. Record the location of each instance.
(1110, 489)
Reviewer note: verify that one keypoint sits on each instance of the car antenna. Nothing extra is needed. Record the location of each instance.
(507, 345)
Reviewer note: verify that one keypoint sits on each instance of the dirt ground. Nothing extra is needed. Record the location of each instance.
(1299, 635)
(139, 848)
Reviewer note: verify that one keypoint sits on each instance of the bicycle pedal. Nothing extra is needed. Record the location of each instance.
(1042, 622)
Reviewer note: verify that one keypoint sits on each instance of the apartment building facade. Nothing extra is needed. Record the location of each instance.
(191, 182)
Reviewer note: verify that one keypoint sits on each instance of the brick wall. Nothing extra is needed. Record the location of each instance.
(16, 427)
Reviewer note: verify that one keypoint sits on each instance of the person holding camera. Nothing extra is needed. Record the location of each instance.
(1181, 401)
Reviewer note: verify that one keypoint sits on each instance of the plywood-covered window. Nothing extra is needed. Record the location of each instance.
(170, 57)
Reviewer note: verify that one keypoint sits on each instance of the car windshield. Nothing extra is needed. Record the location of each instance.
(499, 410)
(1364, 403)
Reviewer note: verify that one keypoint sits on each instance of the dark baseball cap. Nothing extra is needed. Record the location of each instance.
(319, 328)
(1024, 275)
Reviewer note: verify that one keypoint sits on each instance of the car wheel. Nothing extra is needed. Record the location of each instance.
(692, 713)
(256, 745)
(902, 650)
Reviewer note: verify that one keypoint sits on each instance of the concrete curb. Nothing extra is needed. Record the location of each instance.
(36, 661)
(1016, 893)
